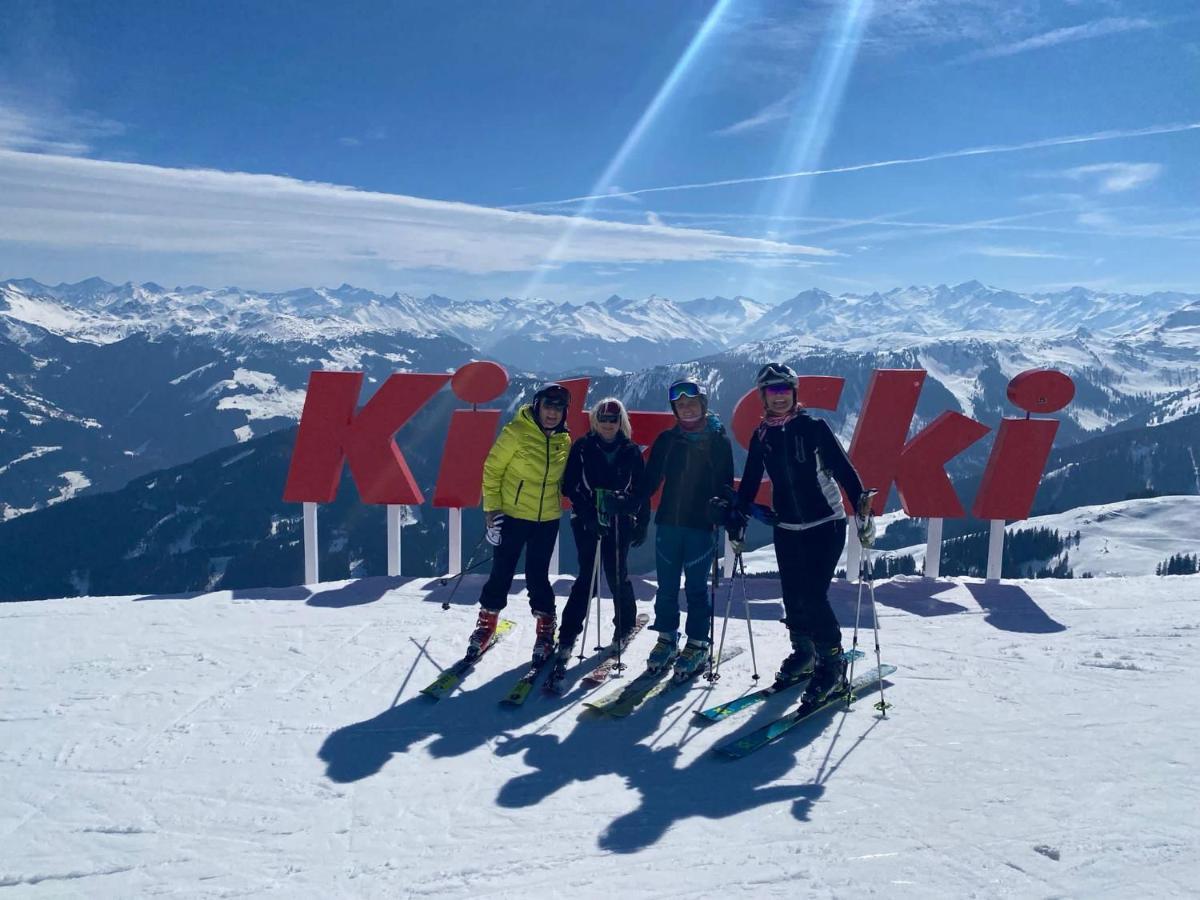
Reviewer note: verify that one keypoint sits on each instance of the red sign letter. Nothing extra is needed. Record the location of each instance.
(330, 432)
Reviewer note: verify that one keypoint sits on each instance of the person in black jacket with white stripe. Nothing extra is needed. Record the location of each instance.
(806, 464)
(602, 479)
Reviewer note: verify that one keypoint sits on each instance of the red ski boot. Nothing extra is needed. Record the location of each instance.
(485, 627)
(543, 643)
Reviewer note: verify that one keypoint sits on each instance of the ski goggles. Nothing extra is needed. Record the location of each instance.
(778, 389)
(609, 412)
(684, 389)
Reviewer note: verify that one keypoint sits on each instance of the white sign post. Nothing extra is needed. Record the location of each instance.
(454, 529)
(311, 575)
(395, 517)
(933, 548)
(995, 550)
(853, 554)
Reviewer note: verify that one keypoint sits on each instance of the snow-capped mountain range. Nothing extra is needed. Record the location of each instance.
(541, 335)
(100, 383)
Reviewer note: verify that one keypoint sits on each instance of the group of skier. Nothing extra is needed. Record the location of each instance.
(533, 463)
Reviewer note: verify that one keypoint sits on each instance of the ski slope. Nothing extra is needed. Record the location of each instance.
(1122, 539)
(1041, 743)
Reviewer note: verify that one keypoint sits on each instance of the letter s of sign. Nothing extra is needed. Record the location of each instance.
(331, 432)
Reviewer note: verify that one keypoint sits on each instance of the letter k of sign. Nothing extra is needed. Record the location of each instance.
(331, 432)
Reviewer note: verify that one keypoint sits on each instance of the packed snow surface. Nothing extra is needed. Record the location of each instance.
(1041, 743)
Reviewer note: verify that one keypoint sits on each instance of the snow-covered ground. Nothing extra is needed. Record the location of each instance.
(1041, 743)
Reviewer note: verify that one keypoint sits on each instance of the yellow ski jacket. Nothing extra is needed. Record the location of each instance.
(524, 469)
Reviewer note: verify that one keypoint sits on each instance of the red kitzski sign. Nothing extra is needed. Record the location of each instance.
(334, 431)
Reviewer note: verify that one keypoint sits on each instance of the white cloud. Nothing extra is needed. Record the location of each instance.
(1113, 178)
(1019, 253)
(1068, 140)
(46, 129)
(772, 112)
(74, 203)
(1071, 34)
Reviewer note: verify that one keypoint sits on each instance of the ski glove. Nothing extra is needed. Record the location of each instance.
(764, 514)
(866, 529)
(494, 520)
(619, 503)
(639, 531)
(864, 519)
(737, 538)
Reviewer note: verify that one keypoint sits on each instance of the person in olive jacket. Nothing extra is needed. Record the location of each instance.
(521, 482)
(693, 461)
(601, 481)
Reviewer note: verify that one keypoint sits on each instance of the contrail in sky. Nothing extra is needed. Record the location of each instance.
(887, 163)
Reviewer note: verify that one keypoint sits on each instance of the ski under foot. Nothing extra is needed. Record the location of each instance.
(602, 672)
(450, 678)
(555, 684)
(772, 731)
(525, 683)
(645, 687)
(725, 710)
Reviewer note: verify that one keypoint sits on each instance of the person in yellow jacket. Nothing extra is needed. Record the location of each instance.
(521, 503)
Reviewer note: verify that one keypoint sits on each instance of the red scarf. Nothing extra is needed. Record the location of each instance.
(770, 421)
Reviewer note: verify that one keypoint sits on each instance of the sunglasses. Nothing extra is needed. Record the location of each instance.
(553, 404)
(608, 419)
(687, 389)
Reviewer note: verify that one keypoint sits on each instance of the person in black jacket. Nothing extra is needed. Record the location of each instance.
(693, 461)
(604, 470)
(806, 464)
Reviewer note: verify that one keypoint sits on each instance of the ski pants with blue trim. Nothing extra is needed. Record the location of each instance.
(687, 552)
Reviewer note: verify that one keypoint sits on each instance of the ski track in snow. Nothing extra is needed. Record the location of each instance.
(1040, 744)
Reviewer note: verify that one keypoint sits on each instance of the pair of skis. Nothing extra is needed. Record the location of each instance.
(452, 677)
(646, 686)
(739, 747)
(555, 682)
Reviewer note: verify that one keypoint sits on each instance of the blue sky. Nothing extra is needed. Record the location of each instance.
(732, 147)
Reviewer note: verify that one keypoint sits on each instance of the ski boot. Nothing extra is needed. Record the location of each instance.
(829, 675)
(692, 660)
(663, 653)
(485, 627)
(799, 664)
(558, 668)
(543, 642)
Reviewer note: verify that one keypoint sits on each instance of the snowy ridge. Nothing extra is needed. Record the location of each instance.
(1038, 744)
(1117, 540)
(97, 311)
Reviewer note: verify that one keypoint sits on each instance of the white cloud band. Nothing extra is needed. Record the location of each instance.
(70, 202)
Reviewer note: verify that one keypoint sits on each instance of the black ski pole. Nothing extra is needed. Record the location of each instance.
(741, 567)
(714, 671)
(592, 588)
(617, 593)
(712, 602)
(882, 705)
(458, 576)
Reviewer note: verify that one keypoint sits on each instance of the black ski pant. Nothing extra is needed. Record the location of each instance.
(537, 540)
(614, 557)
(807, 560)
